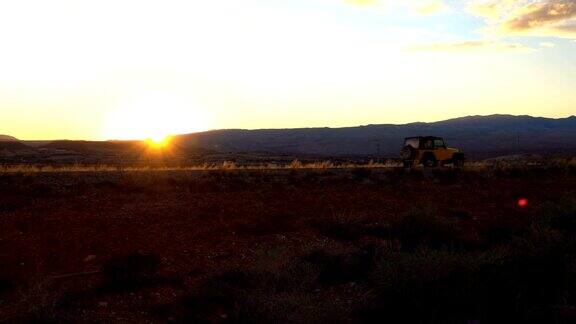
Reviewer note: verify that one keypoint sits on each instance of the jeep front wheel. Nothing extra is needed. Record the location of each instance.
(429, 161)
(408, 153)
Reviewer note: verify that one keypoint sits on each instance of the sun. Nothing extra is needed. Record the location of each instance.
(158, 142)
(154, 117)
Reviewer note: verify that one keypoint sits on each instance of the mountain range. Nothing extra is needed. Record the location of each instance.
(477, 136)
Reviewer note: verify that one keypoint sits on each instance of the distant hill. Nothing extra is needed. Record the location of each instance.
(11, 144)
(479, 136)
(88, 147)
(6, 138)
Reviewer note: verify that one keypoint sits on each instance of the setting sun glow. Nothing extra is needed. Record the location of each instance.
(155, 117)
(158, 142)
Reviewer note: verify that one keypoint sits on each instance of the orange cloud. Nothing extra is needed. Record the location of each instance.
(532, 18)
(537, 15)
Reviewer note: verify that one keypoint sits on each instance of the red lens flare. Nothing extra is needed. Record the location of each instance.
(522, 202)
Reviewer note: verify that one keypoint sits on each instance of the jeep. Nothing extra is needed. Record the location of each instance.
(429, 151)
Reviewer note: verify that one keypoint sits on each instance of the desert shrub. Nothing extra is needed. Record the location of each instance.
(342, 227)
(571, 168)
(342, 268)
(292, 307)
(267, 225)
(130, 272)
(203, 185)
(232, 296)
(275, 288)
(10, 202)
(447, 176)
(320, 165)
(128, 184)
(527, 279)
(31, 186)
(361, 173)
(221, 181)
(295, 164)
(501, 230)
(526, 169)
(5, 284)
(412, 287)
(560, 215)
(105, 184)
(228, 165)
(40, 302)
(424, 227)
(417, 227)
(438, 286)
(235, 184)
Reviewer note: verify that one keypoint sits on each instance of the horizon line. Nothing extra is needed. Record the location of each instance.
(289, 128)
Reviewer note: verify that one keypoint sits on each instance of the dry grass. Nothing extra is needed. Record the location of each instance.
(226, 165)
(494, 165)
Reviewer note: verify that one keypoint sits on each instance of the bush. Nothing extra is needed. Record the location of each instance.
(415, 287)
(341, 227)
(130, 272)
(41, 303)
(281, 289)
(361, 173)
(268, 225)
(342, 268)
(559, 215)
(5, 284)
(445, 286)
(530, 279)
(423, 227)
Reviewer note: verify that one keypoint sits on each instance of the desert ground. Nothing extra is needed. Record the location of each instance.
(347, 245)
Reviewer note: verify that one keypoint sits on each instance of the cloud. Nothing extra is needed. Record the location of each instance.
(485, 9)
(544, 14)
(567, 29)
(470, 46)
(547, 44)
(422, 7)
(362, 2)
(430, 7)
(529, 17)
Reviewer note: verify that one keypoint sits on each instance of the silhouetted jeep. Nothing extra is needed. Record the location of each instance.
(429, 151)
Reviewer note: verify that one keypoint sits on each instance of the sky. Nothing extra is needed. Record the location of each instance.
(126, 69)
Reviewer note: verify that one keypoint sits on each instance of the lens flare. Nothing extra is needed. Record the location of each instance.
(522, 202)
(158, 142)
